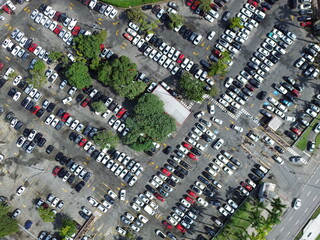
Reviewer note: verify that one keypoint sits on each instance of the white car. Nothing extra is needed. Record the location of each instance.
(277, 159)
(49, 119)
(202, 201)
(218, 143)
(237, 128)
(20, 190)
(223, 102)
(216, 120)
(211, 35)
(66, 100)
(263, 51)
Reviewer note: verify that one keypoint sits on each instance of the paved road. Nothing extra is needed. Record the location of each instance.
(294, 220)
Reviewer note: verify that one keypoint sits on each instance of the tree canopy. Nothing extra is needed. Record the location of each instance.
(205, 5)
(68, 227)
(38, 78)
(136, 15)
(88, 46)
(176, 20)
(46, 214)
(235, 22)
(193, 89)
(106, 138)
(99, 106)
(78, 75)
(120, 74)
(8, 225)
(218, 68)
(149, 123)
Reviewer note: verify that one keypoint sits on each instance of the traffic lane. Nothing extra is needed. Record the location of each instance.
(294, 220)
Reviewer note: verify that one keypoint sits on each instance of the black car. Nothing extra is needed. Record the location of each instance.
(50, 107)
(1, 111)
(257, 18)
(167, 150)
(273, 59)
(232, 109)
(40, 112)
(255, 83)
(62, 172)
(59, 156)
(83, 215)
(87, 176)
(259, 173)
(208, 193)
(79, 98)
(292, 3)
(72, 136)
(12, 92)
(2, 82)
(59, 125)
(304, 18)
(158, 42)
(172, 163)
(109, 199)
(49, 149)
(253, 65)
(63, 160)
(235, 161)
(243, 96)
(95, 154)
(279, 149)
(261, 95)
(209, 231)
(247, 92)
(69, 162)
(207, 175)
(185, 165)
(202, 179)
(237, 84)
(182, 29)
(196, 151)
(207, 138)
(37, 137)
(9, 116)
(79, 186)
(71, 179)
(171, 182)
(225, 16)
(178, 174)
(205, 64)
(143, 47)
(182, 170)
(249, 70)
(266, 5)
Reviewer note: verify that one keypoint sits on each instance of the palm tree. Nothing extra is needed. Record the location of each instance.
(277, 205)
(257, 204)
(241, 235)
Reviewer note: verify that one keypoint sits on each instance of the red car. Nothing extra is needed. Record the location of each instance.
(56, 170)
(180, 58)
(192, 156)
(128, 36)
(296, 131)
(85, 102)
(82, 142)
(7, 9)
(214, 7)
(193, 194)
(180, 228)
(246, 186)
(86, 2)
(159, 197)
(186, 145)
(56, 15)
(217, 53)
(306, 24)
(166, 172)
(253, 3)
(121, 112)
(65, 116)
(251, 88)
(32, 47)
(35, 110)
(102, 47)
(189, 2)
(195, 5)
(58, 29)
(167, 225)
(189, 199)
(1, 66)
(296, 93)
(75, 30)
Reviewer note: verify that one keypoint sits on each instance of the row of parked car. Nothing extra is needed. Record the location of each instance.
(107, 10)
(305, 63)
(9, 7)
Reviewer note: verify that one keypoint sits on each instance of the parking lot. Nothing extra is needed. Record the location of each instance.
(34, 171)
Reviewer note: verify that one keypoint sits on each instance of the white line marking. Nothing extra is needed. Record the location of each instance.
(281, 229)
(288, 234)
(297, 222)
(290, 218)
(317, 181)
(308, 193)
(315, 198)
(306, 210)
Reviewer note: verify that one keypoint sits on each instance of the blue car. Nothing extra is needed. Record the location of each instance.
(28, 224)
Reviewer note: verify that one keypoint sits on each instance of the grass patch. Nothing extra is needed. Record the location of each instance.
(128, 3)
(315, 214)
(238, 223)
(318, 238)
(303, 140)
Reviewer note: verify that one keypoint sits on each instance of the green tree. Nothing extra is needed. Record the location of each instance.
(55, 55)
(176, 20)
(149, 26)
(99, 106)
(46, 214)
(136, 15)
(149, 123)
(192, 88)
(78, 75)
(205, 5)
(235, 23)
(95, 63)
(225, 56)
(38, 78)
(8, 225)
(218, 68)
(130, 236)
(105, 139)
(120, 74)
(277, 205)
(68, 227)
(88, 46)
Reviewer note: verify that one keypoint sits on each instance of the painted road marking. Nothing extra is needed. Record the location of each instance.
(156, 167)
(70, 7)
(117, 32)
(308, 193)
(32, 28)
(8, 58)
(297, 222)
(93, 189)
(314, 198)
(122, 47)
(208, 47)
(203, 43)
(306, 210)
(100, 19)
(115, 23)
(195, 53)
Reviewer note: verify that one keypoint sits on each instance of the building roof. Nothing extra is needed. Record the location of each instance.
(171, 105)
(275, 123)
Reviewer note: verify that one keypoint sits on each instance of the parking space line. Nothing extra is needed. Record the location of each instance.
(203, 43)
(24, 205)
(115, 23)
(70, 7)
(122, 47)
(117, 32)
(8, 24)
(93, 189)
(156, 167)
(8, 58)
(71, 4)
(124, 43)
(195, 53)
(32, 28)
(122, 184)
